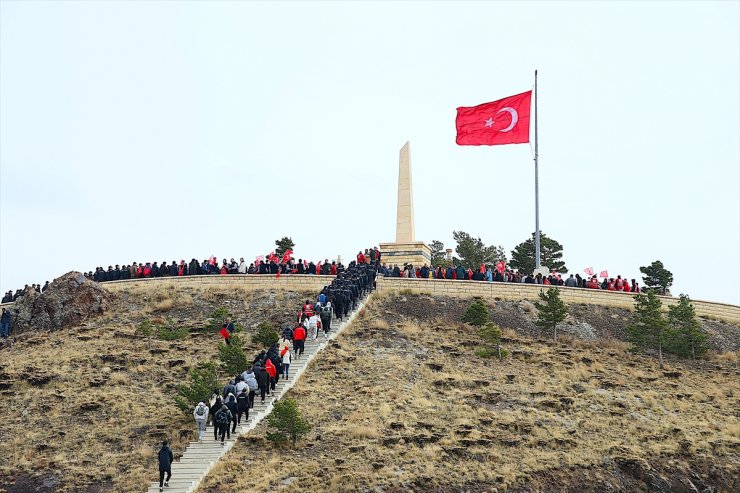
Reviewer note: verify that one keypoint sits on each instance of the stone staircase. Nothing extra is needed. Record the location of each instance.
(199, 458)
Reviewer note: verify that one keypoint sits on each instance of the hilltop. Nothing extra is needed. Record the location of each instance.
(399, 402)
(84, 409)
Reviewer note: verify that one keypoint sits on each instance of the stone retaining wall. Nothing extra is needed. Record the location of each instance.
(249, 282)
(517, 291)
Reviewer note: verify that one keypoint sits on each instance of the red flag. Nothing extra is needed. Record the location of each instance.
(501, 266)
(280, 270)
(604, 274)
(272, 257)
(505, 121)
(589, 271)
(286, 255)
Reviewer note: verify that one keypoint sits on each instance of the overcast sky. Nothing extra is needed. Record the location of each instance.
(150, 131)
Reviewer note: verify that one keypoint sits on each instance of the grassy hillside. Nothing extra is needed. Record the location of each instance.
(400, 403)
(84, 409)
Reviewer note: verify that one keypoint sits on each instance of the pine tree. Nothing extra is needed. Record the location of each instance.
(233, 358)
(438, 253)
(551, 312)
(490, 333)
(648, 328)
(477, 313)
(685, 335)
(266, 335)
(203, 379)
(286, 419)
(473, 252)
(657, 276)
(522, 257)
(283, 244)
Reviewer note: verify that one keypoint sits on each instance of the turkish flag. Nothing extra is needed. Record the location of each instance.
(589, 271)
(501, 266)
(505, 121)
(604, 273)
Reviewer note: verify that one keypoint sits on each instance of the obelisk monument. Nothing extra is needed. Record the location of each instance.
(406, 250)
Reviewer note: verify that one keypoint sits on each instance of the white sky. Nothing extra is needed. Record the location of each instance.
(165, 130)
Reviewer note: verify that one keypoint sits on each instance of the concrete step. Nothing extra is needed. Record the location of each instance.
(199, 458)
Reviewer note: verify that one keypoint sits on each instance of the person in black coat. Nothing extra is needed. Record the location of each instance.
(242, 405)
(215, 408)
(165, 464)
(263, 381)
(232, 406)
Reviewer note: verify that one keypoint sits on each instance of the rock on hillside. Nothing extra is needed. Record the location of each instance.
(69, 300)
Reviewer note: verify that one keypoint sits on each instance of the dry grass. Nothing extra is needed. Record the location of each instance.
(393, 404)
(108, 402)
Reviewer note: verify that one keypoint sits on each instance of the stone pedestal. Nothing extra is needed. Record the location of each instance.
(416, 253)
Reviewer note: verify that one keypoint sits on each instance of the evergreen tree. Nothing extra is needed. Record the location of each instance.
(551, 311)
(551, 253)
(438, 253)
(266, 335)
(477, 314)
(233, 358)
(286, 420)
(685, 335)
(648, 328)
(473, 252)
(490, 333)
(283, 244)
(203, 379)
(657, 276)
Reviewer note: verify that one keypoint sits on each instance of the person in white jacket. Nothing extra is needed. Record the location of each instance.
(201, 418)
(313, 326)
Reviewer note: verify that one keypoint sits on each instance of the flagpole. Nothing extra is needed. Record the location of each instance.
(536, 184)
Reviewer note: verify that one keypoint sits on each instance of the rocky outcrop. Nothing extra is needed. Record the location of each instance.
(68, 301)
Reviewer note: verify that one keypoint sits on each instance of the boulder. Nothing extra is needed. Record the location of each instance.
(69, 300)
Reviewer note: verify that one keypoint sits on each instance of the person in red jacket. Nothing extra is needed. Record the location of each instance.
(333, 269)
(308, 309)
(611, 286)
(626, 287)
(360, 257)
(272, 371)
(593, 283)
(619, 283)
(225, 334)
(299, 339)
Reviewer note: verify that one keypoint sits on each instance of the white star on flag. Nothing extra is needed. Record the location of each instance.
(489, 122)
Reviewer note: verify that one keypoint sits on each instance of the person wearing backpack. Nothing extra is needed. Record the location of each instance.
(231, 404)
(215, 408)
(223, 418)
(326, 316)
(242, 406)
(201, 418)
(165, 458)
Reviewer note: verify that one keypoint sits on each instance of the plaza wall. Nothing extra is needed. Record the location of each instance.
(518, 291)
(244, 282)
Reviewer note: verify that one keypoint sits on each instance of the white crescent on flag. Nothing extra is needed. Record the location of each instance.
(514, 118)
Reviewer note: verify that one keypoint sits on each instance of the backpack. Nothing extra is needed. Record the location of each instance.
(200, 410)
(326, 312)
(222, 417)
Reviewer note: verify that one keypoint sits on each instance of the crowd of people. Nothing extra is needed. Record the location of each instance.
(10, 296)
(227, 407)
(264, 264)
(498, 273)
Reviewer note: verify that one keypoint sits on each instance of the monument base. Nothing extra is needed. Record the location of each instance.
(416, 253)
